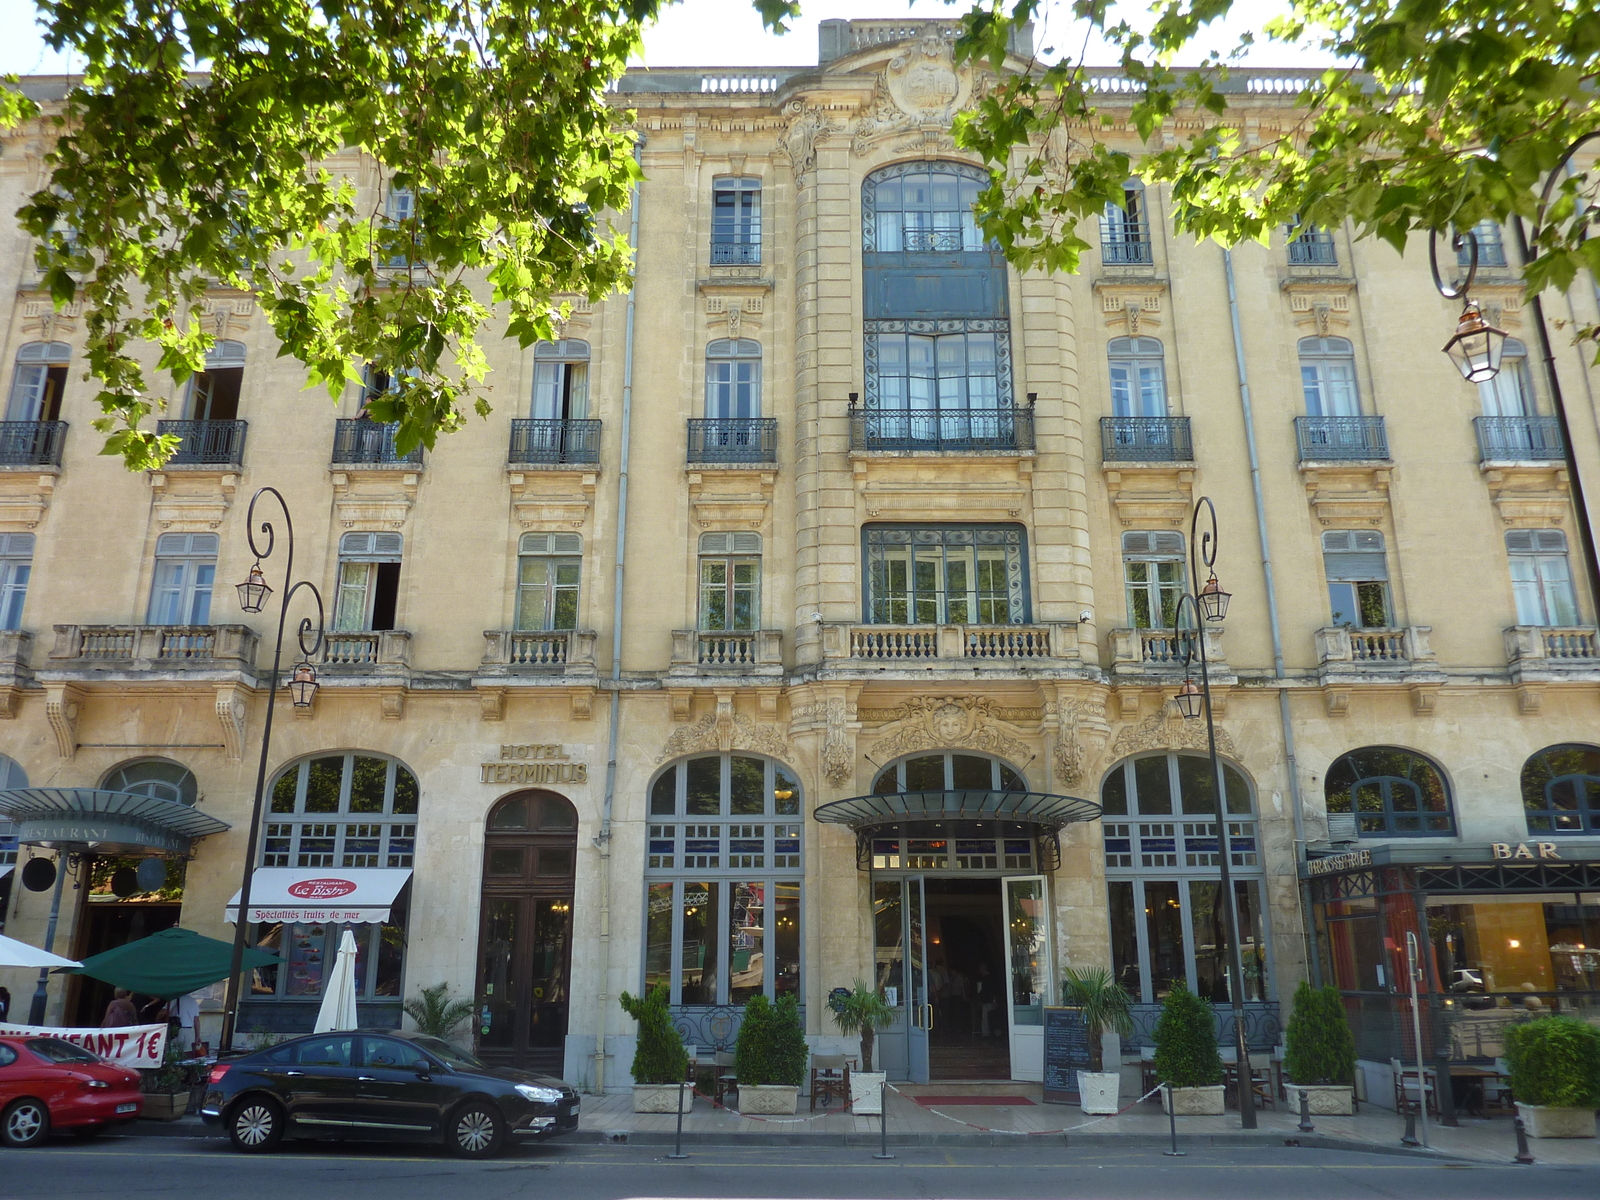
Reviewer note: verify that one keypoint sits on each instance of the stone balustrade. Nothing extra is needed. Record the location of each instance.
(148, 647)
(740, 652)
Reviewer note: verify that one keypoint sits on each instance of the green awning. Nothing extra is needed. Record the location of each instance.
(171, 963)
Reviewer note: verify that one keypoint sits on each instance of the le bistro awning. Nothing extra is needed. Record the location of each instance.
(322, 895)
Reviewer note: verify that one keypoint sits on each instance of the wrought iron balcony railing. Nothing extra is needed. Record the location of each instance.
(1503, 438)
(206, 443)
(364, 441)
(1145, 439)
(1125, 242)
(1314, 249)
(941, 241)
(725, 253)
(551, 441)
(31, 443)
(947, 430)
(733, 440)
(1341, 438)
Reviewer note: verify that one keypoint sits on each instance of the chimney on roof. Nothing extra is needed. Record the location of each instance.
(837, 37)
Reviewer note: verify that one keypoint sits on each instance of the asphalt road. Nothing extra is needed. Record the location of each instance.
(132, 1168)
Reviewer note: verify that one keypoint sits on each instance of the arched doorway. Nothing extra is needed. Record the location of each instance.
(525, 931)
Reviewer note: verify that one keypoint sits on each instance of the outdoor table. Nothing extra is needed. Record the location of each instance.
(1467, 1085)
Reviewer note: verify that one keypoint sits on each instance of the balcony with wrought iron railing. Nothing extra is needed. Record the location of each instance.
(967, 644)
(31, 443)
(1145, 439)
(153, 647)
(539, 652)
(1161, 651)
(735, 253)
(364, 443)
(1341, 439)
(733, 440)
(1537, 653)
(942, 431)
(555, 443)
(206, 443)
(727, 652)
(1314, 249)
(1125, 243)
(367, 648)
(1519, 439)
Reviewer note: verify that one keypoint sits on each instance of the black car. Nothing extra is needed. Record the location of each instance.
(382, 1086)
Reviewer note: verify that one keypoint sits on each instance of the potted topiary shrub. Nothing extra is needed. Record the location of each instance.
(1106, 1006)
(1320, 1059)
(770, 1056)
(1555, 1075)
(1186, 1055)
(659, 1059)
(864, 1011)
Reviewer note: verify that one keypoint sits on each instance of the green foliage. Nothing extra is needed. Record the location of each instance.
(166, 182)
(771, 1047)
(864, 1011)
(434, 1014)
(1186, 1041)
(1105, 1003)
(658, 1056)
(1555, 1061)
(1321, 1048)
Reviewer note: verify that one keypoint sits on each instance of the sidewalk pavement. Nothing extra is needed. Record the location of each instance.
(611, 1118)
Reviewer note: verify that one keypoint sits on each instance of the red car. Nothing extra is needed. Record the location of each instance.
(48, 1083)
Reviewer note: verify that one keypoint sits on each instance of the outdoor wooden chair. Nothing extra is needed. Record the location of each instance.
(1405, 1089)
(830, 1077)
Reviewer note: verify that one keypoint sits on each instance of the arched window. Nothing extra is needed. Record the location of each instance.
(949, 771)
(922, 208)
(37, 384)
(1161, 849)
(1561, 790)
(722, 912)
(1125, 227)
(561, 380)
(733, 379)
(1392, 792)
(214, 392)
(1328, 377)
(156, 777)
(549, 572)
(1138, 377)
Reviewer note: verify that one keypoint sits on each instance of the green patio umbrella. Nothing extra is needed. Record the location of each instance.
(171, 963)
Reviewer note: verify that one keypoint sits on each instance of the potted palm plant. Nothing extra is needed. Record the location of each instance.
(660, 1062)
(1320, 1055)
(434, 1014)
(770, 1056)
(863, 1011)
(1555, 1075)
(1105, 1007)
(1186, 1055)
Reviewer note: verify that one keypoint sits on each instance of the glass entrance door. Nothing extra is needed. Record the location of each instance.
(1028, 972)
(920, 1016)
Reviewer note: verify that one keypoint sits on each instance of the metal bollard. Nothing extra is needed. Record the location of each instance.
(677, 1143)
(1172, 1122)
(1524, 1155)
(1305, 1113)
(883, 1121)
(1410, 1138)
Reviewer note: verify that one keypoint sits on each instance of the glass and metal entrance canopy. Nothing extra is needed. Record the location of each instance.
(1047, 812)
(100, 821)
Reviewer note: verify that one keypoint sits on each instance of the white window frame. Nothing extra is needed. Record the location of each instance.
(729, 551)
(1353, 559)
(1541, 577)
(1138, 377)
(185, 574)
(31, 378)
(1328, 382)
(359, 556)
(226, 355)
(733, 379)
(560, 381)
(16, 568)
(1510, 393)
(1150, 551)
(740, 227)
(538, 604)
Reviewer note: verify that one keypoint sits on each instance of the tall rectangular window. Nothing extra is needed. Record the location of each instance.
(16, 567)
(1124, 231)
(1153, 574)
(549, 570)
(730, 581)
(369, 582)
(733, 379)
(1541, 577)
(214, 392)
(1328, 377)
(561, 380)
(186, 569)
(1138, 378)
(40, 378)
(1491, 245)
(736, 221)
(951, 575)
(1358, 578)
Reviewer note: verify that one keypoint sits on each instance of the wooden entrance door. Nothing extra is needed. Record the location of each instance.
(525, 931)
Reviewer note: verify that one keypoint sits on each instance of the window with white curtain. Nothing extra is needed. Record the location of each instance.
(186, 569)
(730, 581)
(369, 582)
(1510, 392)
(1153, 575)
(561, 380)
(16, 568)
(733, 378)
(1138, 377)
(1328, 377)
(1541, 577)
(37, 384)
(1358, 578)
(549, 570)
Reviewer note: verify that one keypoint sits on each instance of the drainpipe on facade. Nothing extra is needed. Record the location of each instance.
(1278, 671)
(602, 840)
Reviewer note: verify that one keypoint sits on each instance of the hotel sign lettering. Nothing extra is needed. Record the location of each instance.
(534, 763)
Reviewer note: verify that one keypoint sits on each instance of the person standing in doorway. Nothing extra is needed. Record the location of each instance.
(120, 1012)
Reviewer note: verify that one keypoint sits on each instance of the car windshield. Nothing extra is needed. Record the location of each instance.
(57, 1050)
(452, 1056)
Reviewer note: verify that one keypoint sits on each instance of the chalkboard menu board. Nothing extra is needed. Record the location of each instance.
(1066, 1052)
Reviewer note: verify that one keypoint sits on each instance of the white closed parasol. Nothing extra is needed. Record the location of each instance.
(338, 1009)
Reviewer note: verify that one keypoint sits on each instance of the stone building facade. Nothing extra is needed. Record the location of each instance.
(900, 521)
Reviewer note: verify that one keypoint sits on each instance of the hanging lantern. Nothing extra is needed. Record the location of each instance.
(303, 684)
(1213, 600)
(1190, 700)
(1477, 345)
(253, 592)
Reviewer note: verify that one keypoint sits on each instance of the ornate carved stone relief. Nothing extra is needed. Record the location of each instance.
(920, 87)
(1166, 729)
(838, 757)
(807, 127)
(724, 731)
(950, 722)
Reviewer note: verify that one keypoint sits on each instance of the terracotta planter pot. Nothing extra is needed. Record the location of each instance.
(866, 1092)
(163, 1106)
(1322, 1099)
(661, 1098)
(768, 1099)
(1195, 1101)
(1097, 1091)
(1548, 1121)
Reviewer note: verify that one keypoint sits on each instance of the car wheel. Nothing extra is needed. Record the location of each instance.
(256, 1126)
(25, 1123)
(476, 1131)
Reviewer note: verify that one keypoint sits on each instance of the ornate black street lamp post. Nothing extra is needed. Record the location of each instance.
(253, 596)
(1203, 604)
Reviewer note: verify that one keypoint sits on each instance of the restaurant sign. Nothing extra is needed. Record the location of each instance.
(535, 763)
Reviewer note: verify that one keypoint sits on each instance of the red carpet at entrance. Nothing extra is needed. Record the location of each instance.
(986, 1101)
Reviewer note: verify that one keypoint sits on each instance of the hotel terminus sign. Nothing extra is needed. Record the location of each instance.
(533, 763)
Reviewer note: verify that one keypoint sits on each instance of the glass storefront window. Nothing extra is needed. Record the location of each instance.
(1208, 924)
(1125, 938)
(1030, 974)
(888, 936)
(658, 936)
(786, 939)
(698, 975)
(746, 942)
(1163, 915)
(1512, 947)
(308, 952)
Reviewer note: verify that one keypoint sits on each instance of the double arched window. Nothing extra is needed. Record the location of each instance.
(159, 778)
(1561, 790)
(1392, 792)
(923, 207)
(723, 880)
(342, 810)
